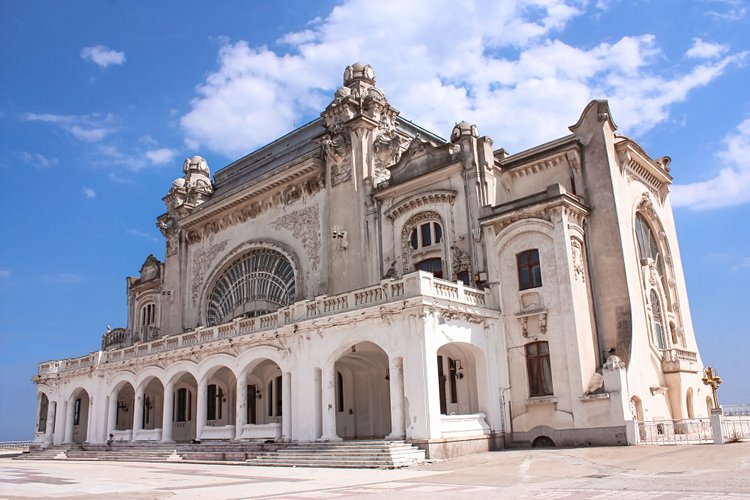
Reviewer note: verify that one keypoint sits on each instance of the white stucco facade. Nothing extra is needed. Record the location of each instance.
(361, 277)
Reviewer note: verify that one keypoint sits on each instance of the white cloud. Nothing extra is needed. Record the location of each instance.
(705, 50)
(731, 186)
(508, 72)
(143, 235)
(729, 10)
(61, 278)
(161, 156)
(86, 128)
(38, 160)
(89, 193)
(102, 56)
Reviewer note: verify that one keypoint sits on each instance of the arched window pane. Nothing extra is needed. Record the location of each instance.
(259, 282)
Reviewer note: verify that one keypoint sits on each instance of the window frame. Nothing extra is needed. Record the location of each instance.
(536, 362)
(532, 266)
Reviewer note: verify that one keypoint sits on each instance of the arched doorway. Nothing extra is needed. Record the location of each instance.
(78, 417)
(221, 395)
(152, 409)
(363, 400)
(457, 379)
(184, 404)
(263, 386)
(124, 410)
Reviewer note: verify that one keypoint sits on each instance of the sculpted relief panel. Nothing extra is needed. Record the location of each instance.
(202, 260)
(304, 224)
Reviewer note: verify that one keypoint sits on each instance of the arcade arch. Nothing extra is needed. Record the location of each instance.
(362, 388)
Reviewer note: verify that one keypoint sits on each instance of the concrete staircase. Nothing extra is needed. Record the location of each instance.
(49, 453)
(344, 454)
(351, 454)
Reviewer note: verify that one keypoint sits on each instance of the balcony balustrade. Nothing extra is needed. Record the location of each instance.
(411, 285)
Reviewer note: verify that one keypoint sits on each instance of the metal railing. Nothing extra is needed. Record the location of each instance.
(687, 431)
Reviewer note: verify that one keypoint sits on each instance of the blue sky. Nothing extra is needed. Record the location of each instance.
(101, 101)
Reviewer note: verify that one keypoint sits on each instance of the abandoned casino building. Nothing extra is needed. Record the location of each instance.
(363, 278)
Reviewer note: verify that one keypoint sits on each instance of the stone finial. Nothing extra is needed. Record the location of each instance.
(463, 129)
(197, 165)
(193, 189)
(359, 71)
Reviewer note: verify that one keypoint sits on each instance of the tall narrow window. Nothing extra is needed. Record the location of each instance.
(452, 373)
(181, 404)
(441, 386)
(539, 369)
(77, 412)
(252, 394)
(211, 403)
(529, 270)
(339, 392)
(43, 407)
(658, 322)
(270, 398)
(278, 396)
(425, 235)
(648, 247)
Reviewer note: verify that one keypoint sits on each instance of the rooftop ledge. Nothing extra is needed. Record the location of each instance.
(416, 284)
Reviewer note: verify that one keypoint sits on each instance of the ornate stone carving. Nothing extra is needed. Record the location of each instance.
(461, 261)
(578, 267)
(304, 225)
(338, 155)
(413, 222)
(202, 260)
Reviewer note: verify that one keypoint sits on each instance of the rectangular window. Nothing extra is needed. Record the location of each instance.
(539, 369)
(211, 403)
(529, 270)
(77, 412)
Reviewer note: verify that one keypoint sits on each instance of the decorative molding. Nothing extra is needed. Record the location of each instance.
(283, 197)
(413, 222)
(577, 260)
(202, 260)
(420, 200)
(304, 224)
(635, 165)
(541, 165)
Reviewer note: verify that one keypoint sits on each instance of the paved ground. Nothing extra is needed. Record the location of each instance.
(652, 472)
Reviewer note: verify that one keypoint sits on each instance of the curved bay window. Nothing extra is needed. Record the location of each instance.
(426, 234)
(258, 282)
(423, 245)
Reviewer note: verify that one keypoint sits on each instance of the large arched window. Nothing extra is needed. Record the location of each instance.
(258, 282)
(648, 247)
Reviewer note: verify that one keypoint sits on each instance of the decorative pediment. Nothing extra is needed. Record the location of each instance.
(420, 200)
(150, 269)
(635, 164)
(422, 157)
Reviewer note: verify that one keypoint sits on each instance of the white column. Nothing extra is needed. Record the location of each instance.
(91, 422)
(51, 414)
(200, 417)
(396, 372)
(138, 413)
(70, 412)
(61, 416)
(112, 415)
(240, 418)
(328, 400)
(286, 407)
(167, 413)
